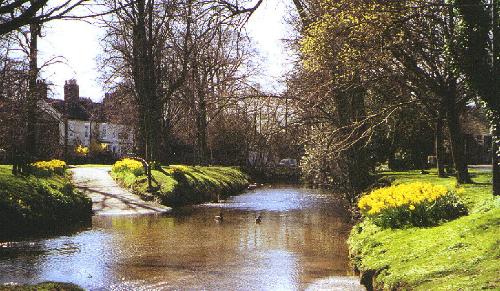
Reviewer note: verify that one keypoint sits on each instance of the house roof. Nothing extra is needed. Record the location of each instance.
(83, 109)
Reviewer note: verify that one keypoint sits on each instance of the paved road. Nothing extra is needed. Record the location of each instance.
(107, 197)
(482, 168)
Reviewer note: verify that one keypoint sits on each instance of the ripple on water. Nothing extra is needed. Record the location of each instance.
(299, 244)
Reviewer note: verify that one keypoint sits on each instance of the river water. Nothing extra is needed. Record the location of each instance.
(300, 244)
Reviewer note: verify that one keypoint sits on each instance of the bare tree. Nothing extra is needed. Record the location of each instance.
(15, 14)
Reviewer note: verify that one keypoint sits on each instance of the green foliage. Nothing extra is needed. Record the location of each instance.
(458, 255)
(181, 185)
(30, 202)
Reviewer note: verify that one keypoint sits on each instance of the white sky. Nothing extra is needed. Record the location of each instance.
(78, 43)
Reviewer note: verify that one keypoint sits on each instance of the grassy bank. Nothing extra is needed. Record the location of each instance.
(46, 286)
(30, 203)
(462, 254)
(183, 185)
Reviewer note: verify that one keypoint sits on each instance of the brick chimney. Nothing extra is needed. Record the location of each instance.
(42, 90)
(71, 91)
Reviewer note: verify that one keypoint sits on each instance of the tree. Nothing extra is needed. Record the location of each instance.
(179, 60)
(480, 62)
(341, 59)
(424, 51)
(15, 14)
(215, 71)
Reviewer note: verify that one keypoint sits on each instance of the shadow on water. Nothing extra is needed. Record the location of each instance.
(45, 231)
(301, 239)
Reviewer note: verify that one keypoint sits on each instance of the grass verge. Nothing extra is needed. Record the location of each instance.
(184, 185)
(29, 203)
(462, 254)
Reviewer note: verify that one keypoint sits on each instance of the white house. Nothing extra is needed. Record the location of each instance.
(82, 121)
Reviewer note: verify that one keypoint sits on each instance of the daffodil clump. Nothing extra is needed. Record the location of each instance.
(47, 168)
(417, 204)
(130, 165)
(81, 151)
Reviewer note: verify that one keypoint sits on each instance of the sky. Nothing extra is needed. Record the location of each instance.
(77, 44)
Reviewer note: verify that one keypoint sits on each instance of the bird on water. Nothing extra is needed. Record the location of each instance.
(219, 218)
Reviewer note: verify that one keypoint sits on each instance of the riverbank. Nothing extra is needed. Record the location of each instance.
(29, 203)
(46, 286)
(458, 255)
(184, 185)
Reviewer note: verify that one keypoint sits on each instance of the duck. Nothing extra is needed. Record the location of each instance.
(258, 219)
(219, 218)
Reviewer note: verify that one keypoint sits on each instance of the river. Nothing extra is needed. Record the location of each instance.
(300, 244)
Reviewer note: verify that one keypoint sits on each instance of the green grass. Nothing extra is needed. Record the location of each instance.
(31, 203)
(183, 185)
(46, 286)
(458, 255)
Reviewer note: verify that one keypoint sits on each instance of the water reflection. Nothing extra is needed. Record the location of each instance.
(301, 239)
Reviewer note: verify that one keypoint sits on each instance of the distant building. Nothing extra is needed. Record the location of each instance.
(476, 129)
(80, 121)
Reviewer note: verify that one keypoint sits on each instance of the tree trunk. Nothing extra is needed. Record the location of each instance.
(495, 156)
(439, 141)
(202, 142)
(145, 82)
(495, 108)
(457, 143)
(450, 98)
(30, 142)
(350, 108)
(201, 124)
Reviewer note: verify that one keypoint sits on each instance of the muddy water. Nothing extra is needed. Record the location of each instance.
(300, 244)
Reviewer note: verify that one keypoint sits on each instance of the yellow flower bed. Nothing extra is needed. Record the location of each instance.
(409, 195)
(49, 167)
(131, 165)
(418, 204)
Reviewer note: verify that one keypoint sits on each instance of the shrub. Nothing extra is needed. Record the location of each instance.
(97, 148)
(417, 204)
(130, 165)
(30, 204)
(48, 168)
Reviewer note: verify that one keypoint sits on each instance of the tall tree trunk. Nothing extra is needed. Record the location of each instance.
(144, 82)
(31, 118)
(450, 98)
(439, 144)
(350, 108)
(495, 112)
(456, 139)
(495, 155)
(201, 124)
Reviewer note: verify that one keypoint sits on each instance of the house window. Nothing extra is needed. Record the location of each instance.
(103, 131)
(86, 131)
